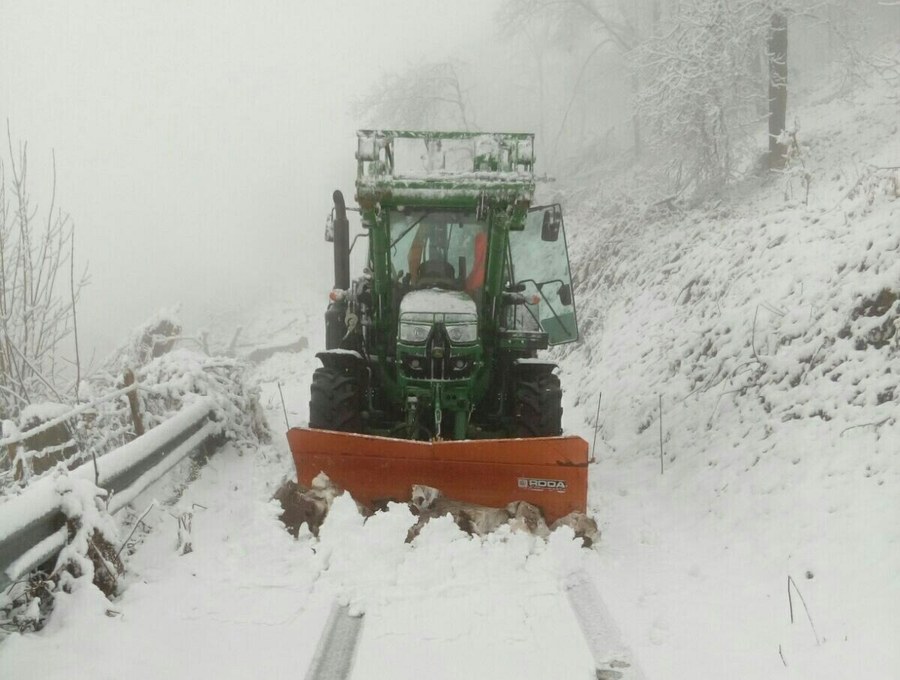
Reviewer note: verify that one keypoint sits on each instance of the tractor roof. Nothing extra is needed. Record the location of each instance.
(449, 169)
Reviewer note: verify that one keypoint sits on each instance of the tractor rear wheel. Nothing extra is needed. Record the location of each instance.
(537, 406)
(336, 400)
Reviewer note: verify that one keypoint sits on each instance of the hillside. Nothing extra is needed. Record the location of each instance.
(767, 322)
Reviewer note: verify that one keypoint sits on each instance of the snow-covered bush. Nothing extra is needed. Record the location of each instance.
(166, 380)
(165, 385)
(179, 377)
(90, 556)
(93, 534)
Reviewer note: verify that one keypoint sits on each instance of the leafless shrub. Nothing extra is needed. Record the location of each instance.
(37, 315)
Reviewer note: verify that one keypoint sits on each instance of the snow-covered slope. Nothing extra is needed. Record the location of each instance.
(766, 323)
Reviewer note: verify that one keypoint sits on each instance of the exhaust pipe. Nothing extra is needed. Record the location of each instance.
(341, 243)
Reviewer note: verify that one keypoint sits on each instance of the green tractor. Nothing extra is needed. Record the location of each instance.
(465, 282)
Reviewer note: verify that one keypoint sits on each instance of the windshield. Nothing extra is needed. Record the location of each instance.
(442, 249)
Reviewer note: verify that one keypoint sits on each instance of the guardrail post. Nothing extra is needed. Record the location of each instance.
(133, 403)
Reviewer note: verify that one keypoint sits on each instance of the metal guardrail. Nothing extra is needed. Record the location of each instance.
(32, 524)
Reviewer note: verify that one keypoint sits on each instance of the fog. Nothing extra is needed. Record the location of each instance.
(197, 144)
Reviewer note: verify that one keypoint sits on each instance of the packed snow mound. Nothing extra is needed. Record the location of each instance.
(305, 509)
(369, 562)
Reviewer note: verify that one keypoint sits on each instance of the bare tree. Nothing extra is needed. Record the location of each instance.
(425, 96)
(701, 91)
(37, 313)
(604, 26)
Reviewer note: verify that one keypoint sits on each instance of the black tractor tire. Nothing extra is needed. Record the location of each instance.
(537, 406)
(336, 401)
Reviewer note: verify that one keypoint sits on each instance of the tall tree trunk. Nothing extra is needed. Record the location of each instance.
(635, 119)
(777, 44)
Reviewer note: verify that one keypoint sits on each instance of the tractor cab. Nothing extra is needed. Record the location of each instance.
(443, 249)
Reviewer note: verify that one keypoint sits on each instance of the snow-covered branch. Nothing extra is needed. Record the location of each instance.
(701, 91)
(36, 316)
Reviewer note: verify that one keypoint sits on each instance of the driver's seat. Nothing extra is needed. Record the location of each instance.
(436, 272)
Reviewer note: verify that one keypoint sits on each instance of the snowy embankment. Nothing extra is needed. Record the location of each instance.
(769, 327)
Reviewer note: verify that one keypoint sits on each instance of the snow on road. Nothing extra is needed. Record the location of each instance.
(251, 601)
(196, 615)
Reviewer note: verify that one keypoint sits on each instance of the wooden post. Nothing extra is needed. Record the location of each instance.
(661, 463)
(596, 424)
(133, 403)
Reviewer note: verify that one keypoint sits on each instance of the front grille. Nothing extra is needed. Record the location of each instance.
(437, 350)
(444, 366)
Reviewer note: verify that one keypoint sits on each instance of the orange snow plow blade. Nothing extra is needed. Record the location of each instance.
(549, 472)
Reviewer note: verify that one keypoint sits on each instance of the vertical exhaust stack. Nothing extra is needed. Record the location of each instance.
(341, 243)
(335, 326)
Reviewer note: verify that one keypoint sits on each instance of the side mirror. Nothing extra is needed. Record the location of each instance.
(515, 288)
(329, 228)
(550, 227)
(565, 294)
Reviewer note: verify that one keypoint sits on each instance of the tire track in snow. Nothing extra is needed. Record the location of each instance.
(612, 658)
(334, 655)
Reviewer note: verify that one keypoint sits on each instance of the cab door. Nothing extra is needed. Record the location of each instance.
(540, 261)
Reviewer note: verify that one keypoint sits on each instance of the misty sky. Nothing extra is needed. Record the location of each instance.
(197, 143)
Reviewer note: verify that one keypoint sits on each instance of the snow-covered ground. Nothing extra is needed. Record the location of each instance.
(251, 601)
(749, 318)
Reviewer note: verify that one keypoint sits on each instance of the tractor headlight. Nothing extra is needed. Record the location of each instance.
(415, 333)
(463, 333)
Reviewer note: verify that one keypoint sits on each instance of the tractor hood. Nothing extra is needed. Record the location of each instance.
(437, 301)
